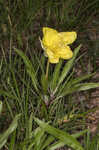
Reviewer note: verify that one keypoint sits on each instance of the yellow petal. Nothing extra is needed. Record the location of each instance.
(49, 53)
(50, 37)
(48, 30)
(42, 44)
(54, 60)
(65, 52)
(52, 57)
(68, 37)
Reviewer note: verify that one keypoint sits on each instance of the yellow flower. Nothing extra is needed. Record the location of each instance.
(55, 44)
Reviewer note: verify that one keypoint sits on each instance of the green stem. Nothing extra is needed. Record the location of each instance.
(47, 68)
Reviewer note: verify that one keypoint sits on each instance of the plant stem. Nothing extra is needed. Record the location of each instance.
(47, 68)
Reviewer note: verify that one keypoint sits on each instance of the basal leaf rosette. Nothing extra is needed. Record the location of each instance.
(56, 44)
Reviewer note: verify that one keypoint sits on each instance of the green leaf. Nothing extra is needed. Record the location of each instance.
(66, 83)
(12, 140)
(47, 142)
(29, 127)
(38, 137)
(41, 63)
(29, 66)
(13, 126)
(44, 83)
(60, 144)
(56, 145)
(8, 94)
(87, 86)
(56, 75)
(30, 124)
(42, 141)
(68, 66)
(80, 87)
(71, 83)
(1, 106)
(62, 136)
(15, 82)
(3, 143)
(82, 78)
(76, 135)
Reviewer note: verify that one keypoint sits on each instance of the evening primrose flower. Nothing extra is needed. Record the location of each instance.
(56, 44)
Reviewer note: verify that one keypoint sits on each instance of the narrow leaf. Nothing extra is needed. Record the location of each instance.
(56, 145)
(15, 83)
(82, 78)
(30, 125)
(60, 144)
(39, 133)
(56, 75)
(62, 136)
(80, 87)
(44, 83)
(68, 65)
(47, 142)
(8, 94)
(87, 86)
(76, 135)
(71, 83)
(13, 126)
(1, 106)
(29, 66)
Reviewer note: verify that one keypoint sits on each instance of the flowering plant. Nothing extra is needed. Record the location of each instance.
(59, 83)
(49, 88)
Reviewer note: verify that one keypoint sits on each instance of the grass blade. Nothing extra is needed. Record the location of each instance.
(56, 145)
(84, 77)
(56, 75)
(87, 86)
(60, 144)
(80, 87)
(29, 66)
(62, 136)
(13, 126)
(1, 106)
(68, 66)
(47, 142)
(77, 80)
